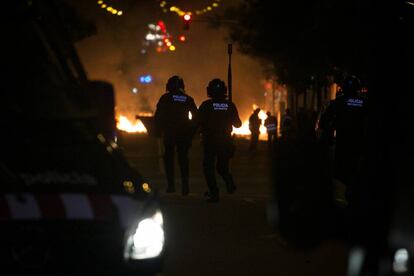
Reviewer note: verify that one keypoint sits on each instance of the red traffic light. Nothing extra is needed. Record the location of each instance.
(182, 38)
(187, 17)
(161, 24)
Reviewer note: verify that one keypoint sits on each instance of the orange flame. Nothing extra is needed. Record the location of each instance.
(244, 129)
(125, 124)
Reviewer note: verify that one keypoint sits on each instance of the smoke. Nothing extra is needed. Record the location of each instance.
(114, 55)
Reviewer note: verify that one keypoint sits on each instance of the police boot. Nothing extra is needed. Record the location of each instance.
(213, 199)
(231, 188)
(213, 196)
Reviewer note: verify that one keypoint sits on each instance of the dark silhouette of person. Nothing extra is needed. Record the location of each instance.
(368, 204)
(325, 127)
(305, 125)
(254, 125)
(286, 125)
(271, 126)
(346, 117)
(217, 116)
(302, 187)
(344, 125)
(173, 121)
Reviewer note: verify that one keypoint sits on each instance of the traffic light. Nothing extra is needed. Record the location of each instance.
(187, 21)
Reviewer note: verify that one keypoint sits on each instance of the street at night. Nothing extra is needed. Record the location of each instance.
(233, 237)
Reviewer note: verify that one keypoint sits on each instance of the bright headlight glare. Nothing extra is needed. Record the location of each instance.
(148, 239)
(401, 259)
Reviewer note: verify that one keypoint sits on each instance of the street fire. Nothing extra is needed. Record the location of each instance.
(244, 129)
(125, 124)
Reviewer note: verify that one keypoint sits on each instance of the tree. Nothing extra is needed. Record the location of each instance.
(305, 41)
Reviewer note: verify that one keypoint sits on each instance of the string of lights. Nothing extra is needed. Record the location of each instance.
(166, 7)
(109, 8)
(167, 41)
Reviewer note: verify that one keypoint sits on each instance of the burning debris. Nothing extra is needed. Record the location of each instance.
(124, 124)
(244, 129)
(137, 126)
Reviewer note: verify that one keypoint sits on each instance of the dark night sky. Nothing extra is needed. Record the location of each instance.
(114, 55)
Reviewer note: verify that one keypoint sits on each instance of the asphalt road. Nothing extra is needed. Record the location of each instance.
(232, 237)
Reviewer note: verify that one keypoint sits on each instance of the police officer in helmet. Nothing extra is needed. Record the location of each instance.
(349, 115)
(177, 128)
(271, 127)
(217, 116)
(346, 116)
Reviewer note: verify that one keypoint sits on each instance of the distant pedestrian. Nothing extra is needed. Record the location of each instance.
(177, 128)
(271, 127)
(305, 125)
(287, 125)
(254, 126)
(217, 117)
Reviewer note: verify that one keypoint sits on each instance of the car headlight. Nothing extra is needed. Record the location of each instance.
(147, 241)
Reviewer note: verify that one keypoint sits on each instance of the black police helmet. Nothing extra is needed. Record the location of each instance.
(175, 84)
(216, 89)
(351, 85)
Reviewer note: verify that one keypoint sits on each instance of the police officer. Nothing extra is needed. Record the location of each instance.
(347, 117)
(217, 116)
(177, 128)
(254, 125)
(271, 127)
(366, 202)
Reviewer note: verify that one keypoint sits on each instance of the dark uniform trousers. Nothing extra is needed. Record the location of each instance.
(222, 153)
(182, 146)
(348, 157)
(271, 139)
(254, 140)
